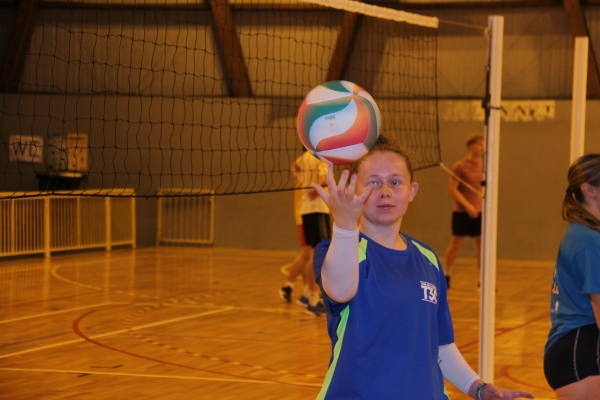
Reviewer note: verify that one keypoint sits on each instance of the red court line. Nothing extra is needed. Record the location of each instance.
(139, 336)
(502, 331)
(78, 331)
(504, 372)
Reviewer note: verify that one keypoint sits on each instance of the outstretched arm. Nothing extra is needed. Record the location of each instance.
(340, 268)
(456, 371)
(491, 392)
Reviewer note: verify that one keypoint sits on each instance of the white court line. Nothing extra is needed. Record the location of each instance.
(50, 346)
(296, 310)
(6, 321)
(153, 376)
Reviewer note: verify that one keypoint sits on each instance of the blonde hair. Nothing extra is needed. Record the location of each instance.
(586, 169)
(384, 142)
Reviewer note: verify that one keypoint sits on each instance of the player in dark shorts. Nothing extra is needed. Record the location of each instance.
(312, 215)
(466, 190)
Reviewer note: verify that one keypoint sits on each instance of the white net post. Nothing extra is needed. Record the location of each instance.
(579, 98)
(490, 204)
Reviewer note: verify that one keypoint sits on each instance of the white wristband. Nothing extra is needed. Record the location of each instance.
(343, 233)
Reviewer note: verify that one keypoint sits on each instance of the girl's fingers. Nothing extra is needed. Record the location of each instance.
(364, 195)
(351, 187)
(322, 192)
(330, 178)
(341, 188)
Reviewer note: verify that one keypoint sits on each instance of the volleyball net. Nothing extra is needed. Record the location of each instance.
(191, 98)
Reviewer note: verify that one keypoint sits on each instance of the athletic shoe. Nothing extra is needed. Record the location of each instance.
(317, 310)
(302, 301)
(286, 294)
(448, 281)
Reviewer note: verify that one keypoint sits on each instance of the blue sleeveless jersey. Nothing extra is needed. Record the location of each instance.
(385, 340)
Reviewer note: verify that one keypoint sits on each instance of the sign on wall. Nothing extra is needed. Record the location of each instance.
(77, 147)
(511, 110)
(23, 148)
(68, 152)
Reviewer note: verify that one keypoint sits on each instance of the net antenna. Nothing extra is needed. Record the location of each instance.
(492, 105)
(185, 98)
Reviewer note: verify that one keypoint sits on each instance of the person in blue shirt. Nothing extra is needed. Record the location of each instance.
(572, 352)
(385, 292)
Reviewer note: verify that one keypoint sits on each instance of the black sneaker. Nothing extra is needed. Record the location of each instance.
(302, 301)
(317, 310)
(286, 294)
(448, 281)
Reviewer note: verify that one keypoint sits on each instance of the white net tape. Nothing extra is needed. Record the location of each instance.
(378, 12)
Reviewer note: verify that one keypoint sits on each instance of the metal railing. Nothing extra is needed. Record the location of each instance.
(45, 224)
(186, 220)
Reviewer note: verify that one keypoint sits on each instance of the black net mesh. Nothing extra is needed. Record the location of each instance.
(189, 96)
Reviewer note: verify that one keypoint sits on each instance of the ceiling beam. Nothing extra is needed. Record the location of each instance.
(579, 28)
(18, 46)
(343, 48)
(231, 48)
(402, 5)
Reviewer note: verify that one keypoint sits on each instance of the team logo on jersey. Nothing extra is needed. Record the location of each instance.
(429, 292)
(554, 285)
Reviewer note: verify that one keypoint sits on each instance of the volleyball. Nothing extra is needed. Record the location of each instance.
(338, 122)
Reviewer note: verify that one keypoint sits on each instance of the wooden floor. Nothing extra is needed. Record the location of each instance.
(203, 323)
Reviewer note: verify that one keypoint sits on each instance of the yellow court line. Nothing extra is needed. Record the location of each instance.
(6, 321)
(285, 269)
(50, 346)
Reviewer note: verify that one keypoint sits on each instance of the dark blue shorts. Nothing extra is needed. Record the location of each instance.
(316, 228)
(464, 225)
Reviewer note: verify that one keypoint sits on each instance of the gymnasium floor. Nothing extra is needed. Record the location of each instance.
(204, 323)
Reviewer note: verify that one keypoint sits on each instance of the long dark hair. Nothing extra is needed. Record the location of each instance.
(586, 169)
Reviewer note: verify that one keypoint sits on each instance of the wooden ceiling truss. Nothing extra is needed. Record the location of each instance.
(231, 49)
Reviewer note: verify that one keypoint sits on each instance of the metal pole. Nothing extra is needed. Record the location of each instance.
(579, 98)
(490, 204)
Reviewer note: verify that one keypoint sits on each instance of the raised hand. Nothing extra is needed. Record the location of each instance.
(344, 200)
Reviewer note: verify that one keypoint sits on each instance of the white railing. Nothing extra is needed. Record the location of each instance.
(187, 219)
(48, 223)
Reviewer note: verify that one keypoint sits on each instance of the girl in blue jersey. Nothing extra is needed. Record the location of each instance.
(385, 292)
(572, 353)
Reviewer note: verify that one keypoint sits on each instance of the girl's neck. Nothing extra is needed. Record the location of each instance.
(592, 207)
(387, 236)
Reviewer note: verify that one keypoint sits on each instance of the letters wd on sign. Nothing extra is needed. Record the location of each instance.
(24, 148)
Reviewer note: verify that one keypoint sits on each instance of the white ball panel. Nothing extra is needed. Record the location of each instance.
(353, 152)
(321, 94)
(333, 124)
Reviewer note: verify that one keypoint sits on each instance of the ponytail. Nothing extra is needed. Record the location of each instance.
(585, 169)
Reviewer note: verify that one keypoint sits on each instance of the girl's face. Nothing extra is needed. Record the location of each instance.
(392, 188)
